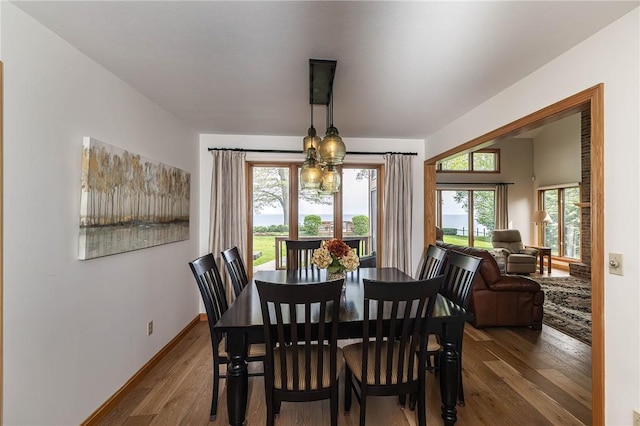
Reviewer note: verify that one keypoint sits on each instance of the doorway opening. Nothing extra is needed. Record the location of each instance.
(591, 100)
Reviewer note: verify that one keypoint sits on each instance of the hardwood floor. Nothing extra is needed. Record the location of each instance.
(511, 376)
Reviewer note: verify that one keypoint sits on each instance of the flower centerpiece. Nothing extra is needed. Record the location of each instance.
(336, 256)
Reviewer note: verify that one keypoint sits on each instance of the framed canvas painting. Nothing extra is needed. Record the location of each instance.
(129, 202)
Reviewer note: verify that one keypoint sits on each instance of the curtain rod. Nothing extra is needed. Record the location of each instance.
(293, 151)
(475, 183)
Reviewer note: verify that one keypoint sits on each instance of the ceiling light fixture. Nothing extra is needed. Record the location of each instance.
(332, 149)
(322, 155)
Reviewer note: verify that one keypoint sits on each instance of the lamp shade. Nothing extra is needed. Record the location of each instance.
(311, 140)
(311, 172)
(330, 181)
(541, 216)
(332, 149)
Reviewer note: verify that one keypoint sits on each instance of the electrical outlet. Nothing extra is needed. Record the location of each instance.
(615, 264)
(149, 328)
(636, 418)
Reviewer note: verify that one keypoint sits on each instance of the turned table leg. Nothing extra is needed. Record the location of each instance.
(237, 379)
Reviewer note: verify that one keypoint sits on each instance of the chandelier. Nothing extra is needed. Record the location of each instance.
(322, 155)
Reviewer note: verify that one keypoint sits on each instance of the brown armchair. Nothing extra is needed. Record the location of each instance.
(501, 300)
(520, 259)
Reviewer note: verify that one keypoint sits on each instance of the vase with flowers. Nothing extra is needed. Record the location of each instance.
(337, 257)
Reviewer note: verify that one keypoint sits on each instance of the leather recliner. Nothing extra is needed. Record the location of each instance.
(520, 259)
(501, 300)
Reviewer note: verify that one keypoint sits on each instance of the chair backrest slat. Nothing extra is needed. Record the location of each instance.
(354, 243)
(432, 262)
(236, 269)
(311, 313)
(299, 253)
(459, 271)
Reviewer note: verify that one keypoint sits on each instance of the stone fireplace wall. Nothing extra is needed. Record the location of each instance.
(582, 269)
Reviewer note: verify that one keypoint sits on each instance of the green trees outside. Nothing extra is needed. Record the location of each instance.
(483, 201)
(271, 189)
(569, 220)
(360, 225)
(483, 206)
(311, 224)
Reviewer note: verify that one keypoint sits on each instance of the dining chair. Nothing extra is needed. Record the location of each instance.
(354, 243)
(213, 295)
(390, 358)
(369, 261)
(303, 360)
(431, 266)
(299, 253)
(432, 262)
(459, 272)
(236, 269)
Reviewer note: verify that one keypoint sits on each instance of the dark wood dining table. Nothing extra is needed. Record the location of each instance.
(242, 323)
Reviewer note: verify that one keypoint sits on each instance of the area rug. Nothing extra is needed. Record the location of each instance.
(567, 305)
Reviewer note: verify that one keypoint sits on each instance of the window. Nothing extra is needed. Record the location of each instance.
(563, 234)
(481, 161)
(466, 217)
(280, 210)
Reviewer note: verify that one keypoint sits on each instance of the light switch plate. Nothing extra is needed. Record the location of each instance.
(615, 263)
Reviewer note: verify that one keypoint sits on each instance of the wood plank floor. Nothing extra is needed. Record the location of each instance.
(511, 376)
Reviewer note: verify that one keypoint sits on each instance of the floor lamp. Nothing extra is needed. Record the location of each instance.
(541, 217)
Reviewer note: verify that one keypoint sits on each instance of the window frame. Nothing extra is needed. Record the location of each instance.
(561, 254)
(294, 185)
(470, 214)
(472, 169)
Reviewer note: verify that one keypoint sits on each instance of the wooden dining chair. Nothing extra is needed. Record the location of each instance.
(299, 253)
(303, 359)
(369, 261)
(354, 243)
(390, 359)
(459, 272)
(432, 262)
(214, 298)
(431, 266)
(236, 269)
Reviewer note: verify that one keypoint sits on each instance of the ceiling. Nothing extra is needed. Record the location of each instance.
(405, 69)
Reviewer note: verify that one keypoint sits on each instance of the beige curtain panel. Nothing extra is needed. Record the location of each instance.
(398, 207)
(228, 221)
(502, 202)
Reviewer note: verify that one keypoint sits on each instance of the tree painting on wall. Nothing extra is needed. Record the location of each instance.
(129, 202)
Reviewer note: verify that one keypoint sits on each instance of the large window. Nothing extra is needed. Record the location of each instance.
(466, 217)
(280, 210)
(481, 161)
(563, 234)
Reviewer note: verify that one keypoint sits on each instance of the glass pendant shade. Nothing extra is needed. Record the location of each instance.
(311, 172)
(330, 181)
(311, 140)
(332, 150)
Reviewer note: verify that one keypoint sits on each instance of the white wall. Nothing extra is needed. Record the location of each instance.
(612, 57)
(295, 143)
(75, 331)
(557, 153)
(517, 167)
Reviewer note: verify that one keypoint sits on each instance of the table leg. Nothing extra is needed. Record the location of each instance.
(449, 372)
(237, 378)
(549, 257)
(541, 263)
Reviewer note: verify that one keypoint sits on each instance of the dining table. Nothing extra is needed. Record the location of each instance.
(242, 324)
